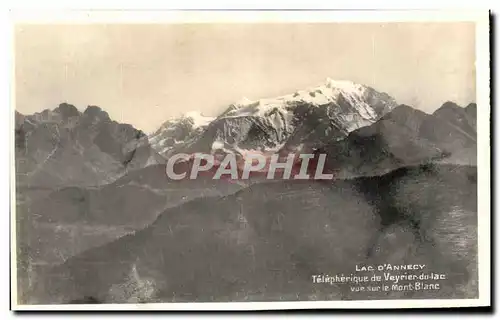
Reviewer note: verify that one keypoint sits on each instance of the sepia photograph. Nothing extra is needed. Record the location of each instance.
(255, 160)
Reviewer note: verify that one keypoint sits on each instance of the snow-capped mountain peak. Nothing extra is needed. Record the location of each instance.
(243, 102)
(346, 85)
(179, 131)
(197, 119)
(328, 92)
(329, 110)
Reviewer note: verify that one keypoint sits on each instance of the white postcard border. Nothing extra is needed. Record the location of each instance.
(481, 18)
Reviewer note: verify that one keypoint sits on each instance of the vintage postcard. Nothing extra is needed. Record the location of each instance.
(251, 160)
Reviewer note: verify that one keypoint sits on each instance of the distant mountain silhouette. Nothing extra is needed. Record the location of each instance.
(453, 129)
(403, 137)
(63, 147)
(99, 221)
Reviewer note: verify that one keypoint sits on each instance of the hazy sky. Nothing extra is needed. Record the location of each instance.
(144, 74)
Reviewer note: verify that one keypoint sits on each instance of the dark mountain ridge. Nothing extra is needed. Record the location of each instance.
(67, 147)
(402, 137)
(267, 241)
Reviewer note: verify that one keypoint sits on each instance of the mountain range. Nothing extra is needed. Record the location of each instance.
(332, 109)
(403, 136)
(97, 215)
(363, 131)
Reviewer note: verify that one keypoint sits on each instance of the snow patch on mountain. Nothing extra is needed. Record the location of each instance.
(197, 119)
(177, 132)
(321, 95)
